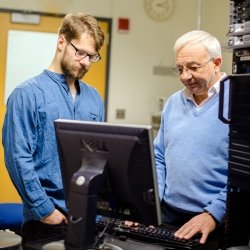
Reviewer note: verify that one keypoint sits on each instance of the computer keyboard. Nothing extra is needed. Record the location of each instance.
(163, 235)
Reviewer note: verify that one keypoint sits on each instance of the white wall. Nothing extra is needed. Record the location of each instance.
(148, 44)
(215, 19)
(133, 86)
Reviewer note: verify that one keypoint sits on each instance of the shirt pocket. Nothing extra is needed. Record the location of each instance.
(94, 117)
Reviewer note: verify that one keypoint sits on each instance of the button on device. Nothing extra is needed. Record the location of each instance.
(80, 180)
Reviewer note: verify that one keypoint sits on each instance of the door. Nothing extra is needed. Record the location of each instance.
(18, 64)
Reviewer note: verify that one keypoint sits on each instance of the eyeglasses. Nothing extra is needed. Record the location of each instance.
(179, 70)
(82, 54)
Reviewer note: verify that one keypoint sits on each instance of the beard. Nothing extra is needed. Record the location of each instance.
(72, 71)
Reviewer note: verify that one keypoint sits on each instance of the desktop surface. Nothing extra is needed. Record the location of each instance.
(113, 235)
(111, 243)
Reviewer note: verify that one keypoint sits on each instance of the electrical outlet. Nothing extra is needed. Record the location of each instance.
(120, 114)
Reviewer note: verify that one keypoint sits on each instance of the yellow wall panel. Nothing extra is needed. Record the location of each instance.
(96, 77)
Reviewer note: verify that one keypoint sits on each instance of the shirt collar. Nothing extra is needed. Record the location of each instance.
(212, 90)
(60, 79)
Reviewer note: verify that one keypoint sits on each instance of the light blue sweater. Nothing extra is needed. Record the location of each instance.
(191, 151)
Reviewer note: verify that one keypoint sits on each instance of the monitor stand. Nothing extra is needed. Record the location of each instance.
(82, 200)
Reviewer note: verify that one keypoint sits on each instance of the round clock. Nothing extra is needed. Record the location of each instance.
(158, 10)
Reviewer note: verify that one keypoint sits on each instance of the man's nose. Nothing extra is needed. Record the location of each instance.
(85, 60)
(186, 74)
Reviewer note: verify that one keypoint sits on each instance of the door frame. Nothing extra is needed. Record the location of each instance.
(108, 38)
(6, 184)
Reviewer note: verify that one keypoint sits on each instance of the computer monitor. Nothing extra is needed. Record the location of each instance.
(107, 169)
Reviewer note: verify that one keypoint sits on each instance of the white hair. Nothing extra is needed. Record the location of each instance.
(210, 43)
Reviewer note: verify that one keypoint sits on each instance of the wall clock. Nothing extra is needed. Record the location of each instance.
(158, 10)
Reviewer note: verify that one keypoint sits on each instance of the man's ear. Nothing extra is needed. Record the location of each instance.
(61, 41)
(217, 63)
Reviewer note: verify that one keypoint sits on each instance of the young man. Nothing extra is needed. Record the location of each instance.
(191, 148)
(29, 140)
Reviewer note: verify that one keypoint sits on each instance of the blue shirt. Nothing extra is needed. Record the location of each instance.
(29, 140)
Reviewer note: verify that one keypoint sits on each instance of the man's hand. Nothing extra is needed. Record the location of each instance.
(131, 224)
(55, 218)
(203, 223)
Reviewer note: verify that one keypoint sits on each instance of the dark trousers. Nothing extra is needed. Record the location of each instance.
(33, 231)
(178, 218)
(175, 217)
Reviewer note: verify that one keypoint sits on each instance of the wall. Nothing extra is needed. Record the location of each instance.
(132, 85)
(147, 44)
(215, 19)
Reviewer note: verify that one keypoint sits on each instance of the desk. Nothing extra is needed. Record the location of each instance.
(120, 245)
(126, 244)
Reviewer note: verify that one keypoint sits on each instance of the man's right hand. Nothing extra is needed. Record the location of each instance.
(55, 218)
(202, 223)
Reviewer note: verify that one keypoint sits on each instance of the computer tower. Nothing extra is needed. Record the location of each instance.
(237, 115)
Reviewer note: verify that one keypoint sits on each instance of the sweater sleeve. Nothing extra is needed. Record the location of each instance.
(159, 152)
(218, 206)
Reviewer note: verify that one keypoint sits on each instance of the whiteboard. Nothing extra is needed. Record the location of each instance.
(28, 54)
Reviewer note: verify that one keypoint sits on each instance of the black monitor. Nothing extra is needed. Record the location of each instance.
(107, 169)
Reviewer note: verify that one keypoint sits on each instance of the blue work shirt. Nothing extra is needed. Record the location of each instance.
(29, 140)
